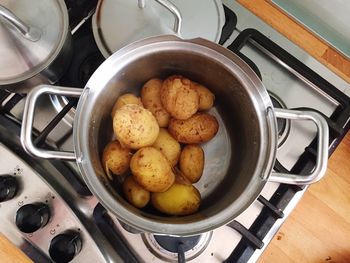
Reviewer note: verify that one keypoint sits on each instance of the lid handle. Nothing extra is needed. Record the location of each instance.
(29, 32)
(172, 8)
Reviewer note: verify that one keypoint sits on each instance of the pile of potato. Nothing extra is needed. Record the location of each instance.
(148, 132)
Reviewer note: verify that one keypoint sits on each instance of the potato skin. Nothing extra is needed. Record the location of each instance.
(200, 128)
(180, 178)
(151, 170)
(115, 158)
(150, 96)
(179, 199)
(135, 127)
(168, 146)
(178, 98)
(127, 98)
(206, 97)
(192, 162)
(134, 193)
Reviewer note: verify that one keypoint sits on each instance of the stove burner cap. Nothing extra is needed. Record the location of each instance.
(171, 243)
(168, 247)
(283, 125)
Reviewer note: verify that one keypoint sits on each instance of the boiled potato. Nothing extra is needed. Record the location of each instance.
(152, 170)
(179, 199)
(178, 98)
(206, 97)
(200, 128)
(150, 96)
(192, 162)
(134, 126)
(127, 98)
(134, 193)
(168, 146)
(115, 159)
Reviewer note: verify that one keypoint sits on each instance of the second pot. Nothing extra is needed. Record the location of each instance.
(35, 46)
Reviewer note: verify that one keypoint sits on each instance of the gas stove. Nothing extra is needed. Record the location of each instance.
(69, 222)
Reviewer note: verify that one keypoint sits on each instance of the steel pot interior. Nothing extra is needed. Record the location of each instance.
(236, 160)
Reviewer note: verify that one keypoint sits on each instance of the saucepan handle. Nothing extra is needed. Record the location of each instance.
(172, 8)
(28, 118)
(29, 32)
(322, 148)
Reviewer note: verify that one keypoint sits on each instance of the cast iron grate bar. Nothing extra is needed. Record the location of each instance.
(229, 26)
(3, 95)
(263, 223)
(40, 140)
(16, 98)
(248, 236)
(278, 213)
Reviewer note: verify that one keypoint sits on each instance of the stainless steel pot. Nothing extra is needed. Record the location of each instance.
(239, 160)
(35, 46)
(154, 18)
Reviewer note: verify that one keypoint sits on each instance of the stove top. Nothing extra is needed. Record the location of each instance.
(293, 80)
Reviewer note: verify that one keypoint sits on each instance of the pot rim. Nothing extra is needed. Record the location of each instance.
(40, 67)
(243, 73)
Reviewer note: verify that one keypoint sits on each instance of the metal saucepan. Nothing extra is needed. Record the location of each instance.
(146, 18)
(35, 44)
(239, 160)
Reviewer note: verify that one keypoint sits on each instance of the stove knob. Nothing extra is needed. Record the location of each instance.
(31, 217)
(8, 187)
(64, 247)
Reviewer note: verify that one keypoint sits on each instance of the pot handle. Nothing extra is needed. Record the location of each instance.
(172, 8)
(29, 32)
(322, 148)
(28, 117)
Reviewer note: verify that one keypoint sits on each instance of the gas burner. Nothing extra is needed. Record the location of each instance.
(177, 244)
(177, 249)
(283, 125)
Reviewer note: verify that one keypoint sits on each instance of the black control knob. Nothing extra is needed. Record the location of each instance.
(64, 247)
(8, 187)
(31, 217)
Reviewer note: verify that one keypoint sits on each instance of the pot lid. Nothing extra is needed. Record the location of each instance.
(31, 33)
(117, 23)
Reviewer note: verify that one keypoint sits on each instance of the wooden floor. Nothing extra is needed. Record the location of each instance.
(318, 230)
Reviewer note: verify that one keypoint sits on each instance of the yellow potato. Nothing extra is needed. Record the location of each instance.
(192, 162)
(200, 128)
(152, 170)
(179, 199)
(115, 159)
(168, 146)
(134, 193)
(150, 96)
(134, 126)
(206, 97)
(127, 98)
(178, 98)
